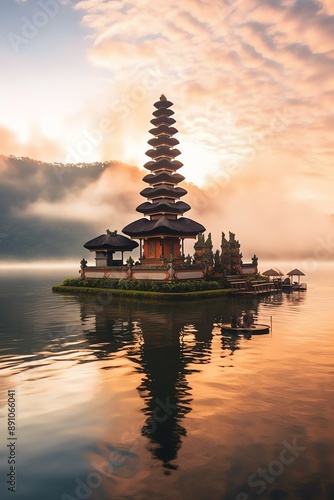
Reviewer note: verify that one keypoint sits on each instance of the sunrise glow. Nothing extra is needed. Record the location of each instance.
(252, 88)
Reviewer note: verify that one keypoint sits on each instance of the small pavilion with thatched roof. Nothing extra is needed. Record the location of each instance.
(106, 245)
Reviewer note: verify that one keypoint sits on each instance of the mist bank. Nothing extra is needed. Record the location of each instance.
(49, 210)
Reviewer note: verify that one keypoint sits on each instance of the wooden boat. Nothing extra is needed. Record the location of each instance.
(254, 329)
(292, 287)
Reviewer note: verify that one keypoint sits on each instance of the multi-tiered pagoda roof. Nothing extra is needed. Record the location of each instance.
(163, 206)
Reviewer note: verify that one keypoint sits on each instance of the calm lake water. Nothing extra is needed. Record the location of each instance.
(140, 400)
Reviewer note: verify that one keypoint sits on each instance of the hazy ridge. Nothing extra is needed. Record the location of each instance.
(28, 235)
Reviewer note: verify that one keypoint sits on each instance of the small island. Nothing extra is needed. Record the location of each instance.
(163, 270)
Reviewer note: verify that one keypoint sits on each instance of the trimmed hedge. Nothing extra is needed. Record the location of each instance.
(147, 286)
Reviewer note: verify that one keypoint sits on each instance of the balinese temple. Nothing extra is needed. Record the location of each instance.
(163, 229)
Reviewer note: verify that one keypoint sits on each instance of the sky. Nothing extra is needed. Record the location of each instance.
(252, 84)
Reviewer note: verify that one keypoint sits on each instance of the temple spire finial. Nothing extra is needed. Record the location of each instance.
(163, 97)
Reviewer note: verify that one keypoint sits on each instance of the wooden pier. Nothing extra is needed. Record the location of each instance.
(243, 287)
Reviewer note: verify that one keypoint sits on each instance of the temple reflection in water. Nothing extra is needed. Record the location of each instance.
(165, 348)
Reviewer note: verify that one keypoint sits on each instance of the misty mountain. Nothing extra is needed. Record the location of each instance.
(27, 233)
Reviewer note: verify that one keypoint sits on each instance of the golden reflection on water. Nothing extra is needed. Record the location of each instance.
(158, 403)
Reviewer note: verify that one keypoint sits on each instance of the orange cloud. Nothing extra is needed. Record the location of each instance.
(39, 148)
(8, 141)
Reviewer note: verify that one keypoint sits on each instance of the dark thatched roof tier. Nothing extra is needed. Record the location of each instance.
(163, 112)
(163, 151)
(163, 120)
(163, 103)
(163, 163)
(183, 227)
(163, 140)
(163, 207)
(168, 192)
(163, 129)
(111, 241)
(163, 177)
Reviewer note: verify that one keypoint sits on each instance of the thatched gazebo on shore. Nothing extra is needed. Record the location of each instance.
(295, 272)
(270, 272)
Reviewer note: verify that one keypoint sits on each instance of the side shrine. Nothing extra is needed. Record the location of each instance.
(163, 228)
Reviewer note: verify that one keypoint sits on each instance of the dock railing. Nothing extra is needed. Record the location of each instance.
(252, 287)
(238, 286)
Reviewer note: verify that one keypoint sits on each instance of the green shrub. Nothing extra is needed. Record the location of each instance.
(73, 282)
(257, 277)
(149, 286)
